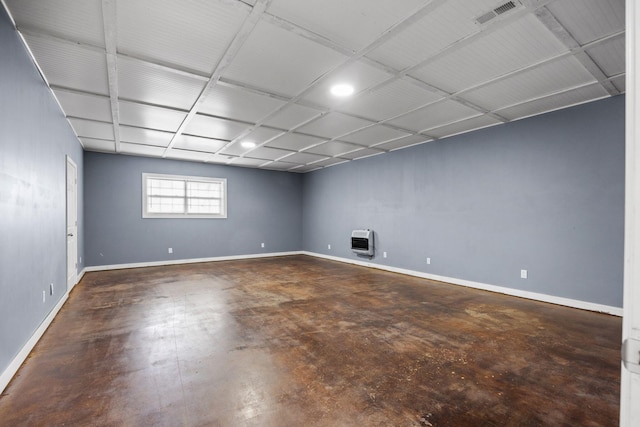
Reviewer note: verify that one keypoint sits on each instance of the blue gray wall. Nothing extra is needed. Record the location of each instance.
(34, 141)
(545, 194)
(263, 207)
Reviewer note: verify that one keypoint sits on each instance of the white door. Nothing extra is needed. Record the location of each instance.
(630, 390)
(72, 224)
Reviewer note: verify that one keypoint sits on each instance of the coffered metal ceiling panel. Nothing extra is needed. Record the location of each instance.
(292, 116)
(323, 163)
(374, 135)
(267, 153)
(308, 168)
(237, 149)
(405, 142)
(333, 148)
(217, 158)
(244, 161)
(193, 80)
(522, 43)
(333, 125)
(178, 154)
(101, 145)
(303, 158)
(288, 62)
(588, 20)
(256, 136)
(70, 66)
(609, 56)
(79, 20)
(549, 103)
(234, 102)
(462, 126)
(197, 143)
(360, 154)
(150, 117)
(434, 114)
(390, 100)
(213, 127)
(190, 36)
(447, 24)
(145, 136)
(92, 129)
(295, 141)
(279, 166)
(141, 150)
(79, 104)
(352, 24)
(556, 76)
(141, 81)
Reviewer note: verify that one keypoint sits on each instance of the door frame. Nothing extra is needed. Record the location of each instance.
(71, 273)
(630, 381)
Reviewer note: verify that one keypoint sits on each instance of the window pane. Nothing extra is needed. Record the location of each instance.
(165, 187)
(203, 206)
(203, 189)
(165, 204)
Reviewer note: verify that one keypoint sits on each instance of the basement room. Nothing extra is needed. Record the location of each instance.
(319, 213)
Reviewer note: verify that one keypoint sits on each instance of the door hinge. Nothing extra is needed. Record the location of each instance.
(631, 355)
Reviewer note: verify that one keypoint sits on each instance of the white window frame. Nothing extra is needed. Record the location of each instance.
(185, 179)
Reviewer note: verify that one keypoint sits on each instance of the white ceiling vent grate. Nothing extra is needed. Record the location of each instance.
(503, 8)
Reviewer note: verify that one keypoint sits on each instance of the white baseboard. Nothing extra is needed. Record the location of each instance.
(17, 361)
(81, 275)
(187, 261)
(583, 305)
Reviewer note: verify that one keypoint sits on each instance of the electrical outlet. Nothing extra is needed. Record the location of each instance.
(428, 260)
(524, 274)
(51, 289)
(384, 254)
(262, 245)
(170, 250)
(44, 296)
(329, 247)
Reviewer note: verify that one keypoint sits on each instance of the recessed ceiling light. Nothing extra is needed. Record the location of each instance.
(342, 90)
(248, 144)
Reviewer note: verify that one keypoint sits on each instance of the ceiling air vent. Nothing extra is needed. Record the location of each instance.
(503, 8)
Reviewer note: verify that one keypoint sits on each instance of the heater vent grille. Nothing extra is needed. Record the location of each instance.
(362, 242)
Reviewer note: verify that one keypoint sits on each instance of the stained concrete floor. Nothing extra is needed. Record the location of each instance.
(301, 341)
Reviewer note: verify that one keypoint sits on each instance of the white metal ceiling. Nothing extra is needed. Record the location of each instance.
(192, 80)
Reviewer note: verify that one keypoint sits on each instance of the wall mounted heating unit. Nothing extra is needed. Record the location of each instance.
(362, 242)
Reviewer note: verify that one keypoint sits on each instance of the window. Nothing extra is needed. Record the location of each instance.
(173, 196)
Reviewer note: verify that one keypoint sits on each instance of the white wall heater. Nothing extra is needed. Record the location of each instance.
(362, 242)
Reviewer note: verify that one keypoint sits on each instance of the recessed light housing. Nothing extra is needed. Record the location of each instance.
(342, 90)
(248, 144)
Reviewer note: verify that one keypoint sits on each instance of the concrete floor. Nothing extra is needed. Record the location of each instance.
(301, 341)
